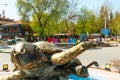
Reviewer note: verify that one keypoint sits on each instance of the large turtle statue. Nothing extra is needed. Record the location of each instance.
(45, 61)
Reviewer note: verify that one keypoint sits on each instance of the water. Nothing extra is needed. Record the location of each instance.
(73, 77)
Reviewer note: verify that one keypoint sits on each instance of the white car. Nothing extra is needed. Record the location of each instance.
(20, 40)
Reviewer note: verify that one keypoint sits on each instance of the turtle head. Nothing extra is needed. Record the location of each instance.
(24, 55)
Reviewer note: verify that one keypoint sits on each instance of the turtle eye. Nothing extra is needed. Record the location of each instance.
(22, 51)
(36, 49)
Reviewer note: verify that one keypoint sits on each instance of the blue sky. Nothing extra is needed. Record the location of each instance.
(11, 10)
(96, 4)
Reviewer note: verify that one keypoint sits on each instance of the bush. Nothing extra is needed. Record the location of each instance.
(116, 64)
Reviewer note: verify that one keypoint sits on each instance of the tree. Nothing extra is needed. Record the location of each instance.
(115, 24)
(70, 18)
(116, 64)
(86, 21)
(92, 23)
(83, 17)
(105, 15)
(42, 11)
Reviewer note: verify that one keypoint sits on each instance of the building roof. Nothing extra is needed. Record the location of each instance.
(11, 25)
(7, 19)
(16, 22)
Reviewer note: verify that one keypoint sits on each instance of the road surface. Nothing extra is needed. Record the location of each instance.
(5, 56)
(103, 55)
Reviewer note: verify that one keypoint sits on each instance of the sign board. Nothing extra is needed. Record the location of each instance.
(105, 31)
(35, 34)
(83, 37)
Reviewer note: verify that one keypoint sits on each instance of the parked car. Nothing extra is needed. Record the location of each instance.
(20, 40)
(11, 42)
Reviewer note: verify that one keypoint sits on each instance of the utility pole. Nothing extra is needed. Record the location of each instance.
(105, 28)
(105, 23)
(3, 11)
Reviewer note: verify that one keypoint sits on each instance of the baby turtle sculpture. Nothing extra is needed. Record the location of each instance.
(45, 61)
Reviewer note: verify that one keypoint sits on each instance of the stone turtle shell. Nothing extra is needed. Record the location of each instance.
(48, 47)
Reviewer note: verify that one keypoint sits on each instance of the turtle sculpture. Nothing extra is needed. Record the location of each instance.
(45, 61)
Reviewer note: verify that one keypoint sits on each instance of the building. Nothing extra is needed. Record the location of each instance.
(14, 30)
(3, 21)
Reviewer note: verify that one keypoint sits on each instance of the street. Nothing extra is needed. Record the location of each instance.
(103, 55)
(5, 57)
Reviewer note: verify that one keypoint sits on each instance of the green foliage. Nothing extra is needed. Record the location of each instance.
(43, 13)
(48, 17)
(105, 14)
(92, 26)
(115, 24)
(87, 22)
